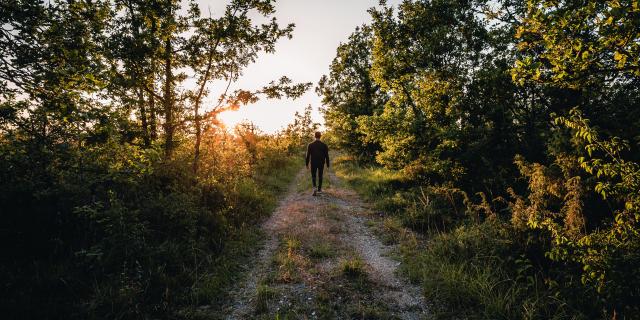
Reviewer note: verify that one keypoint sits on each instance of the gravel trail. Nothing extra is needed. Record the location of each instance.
(299, 272)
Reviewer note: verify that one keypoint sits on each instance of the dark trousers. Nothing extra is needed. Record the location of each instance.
(318, 170)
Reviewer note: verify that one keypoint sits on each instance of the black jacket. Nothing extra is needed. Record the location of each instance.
(317, 152)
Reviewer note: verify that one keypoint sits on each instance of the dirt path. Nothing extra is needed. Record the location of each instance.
(321, 261)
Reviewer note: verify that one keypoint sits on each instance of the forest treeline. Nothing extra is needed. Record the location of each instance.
(121, 194)
(508, 131)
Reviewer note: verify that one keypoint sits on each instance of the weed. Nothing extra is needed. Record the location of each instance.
(321, 250)
(367, 311)
(392, 230)
(353, 268)
(289, 260)
(264, 294)
(212, 285)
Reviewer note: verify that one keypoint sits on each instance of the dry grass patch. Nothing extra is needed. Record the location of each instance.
(322, 250)
(291, 263)
(264, 296)
(353, 267)
(349, 294)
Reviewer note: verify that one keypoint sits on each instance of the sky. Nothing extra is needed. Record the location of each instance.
(321, 25)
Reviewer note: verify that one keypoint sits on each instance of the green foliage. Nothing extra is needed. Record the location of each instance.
(321, 249)
(444, 107)
(469, 149)
(120, 198)
(575, 43)
(478, 270)
(122, 228)
(603, 253)
(300, 131)
(263, 295)
(431, 208)
(590, 47)
(349, 92)
(353, 268)
(481, 271)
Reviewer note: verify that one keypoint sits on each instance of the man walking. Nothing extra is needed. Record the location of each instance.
(317, 152)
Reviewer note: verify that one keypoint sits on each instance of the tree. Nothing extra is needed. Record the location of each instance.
(181, 46)
(348, 92)
(592, 48)
(301, 130)
(51, 57)
(108, 217)
(471, 88)
(574, 43)
(222, 47)
(444, 66)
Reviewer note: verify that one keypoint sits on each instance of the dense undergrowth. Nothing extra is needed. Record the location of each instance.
(470, 268)
(100, 238)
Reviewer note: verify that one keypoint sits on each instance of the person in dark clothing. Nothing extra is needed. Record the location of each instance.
(317, 153)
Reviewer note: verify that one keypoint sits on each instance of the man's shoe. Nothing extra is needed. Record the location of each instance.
(315, 191)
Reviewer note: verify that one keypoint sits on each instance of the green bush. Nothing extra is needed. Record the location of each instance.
(475, 264)
(113, 232)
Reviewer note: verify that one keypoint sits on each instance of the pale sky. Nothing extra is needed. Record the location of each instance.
(321, 25)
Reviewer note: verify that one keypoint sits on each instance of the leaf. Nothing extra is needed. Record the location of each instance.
(617, 56)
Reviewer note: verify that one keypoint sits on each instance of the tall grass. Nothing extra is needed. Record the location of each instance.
(468, 268)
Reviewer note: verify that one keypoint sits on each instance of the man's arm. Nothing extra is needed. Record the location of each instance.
(326, 155)
(306, 161)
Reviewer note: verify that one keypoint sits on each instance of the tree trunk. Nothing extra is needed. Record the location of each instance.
(196, 154)
(153, 126)
(196, 109)
(169, 126)
(143, 118)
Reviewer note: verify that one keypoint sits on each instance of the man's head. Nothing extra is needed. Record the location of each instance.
(318, 134)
